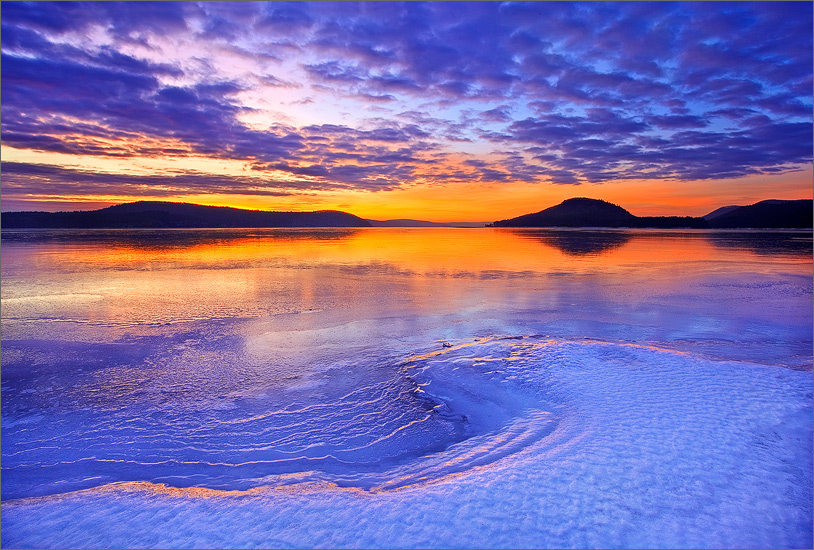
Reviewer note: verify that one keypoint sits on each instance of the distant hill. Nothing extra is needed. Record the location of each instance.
(578, 212)
(582, 212)
(795, 214)
(158, 214)
(720, 211)
(421, 223)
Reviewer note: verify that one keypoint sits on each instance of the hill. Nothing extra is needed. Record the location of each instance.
(795, 214)
(578, 212)
(720, 211)
(582, 212)
(158, 214)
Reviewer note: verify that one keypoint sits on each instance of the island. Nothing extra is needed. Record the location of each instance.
(585, 212)
(160, 214)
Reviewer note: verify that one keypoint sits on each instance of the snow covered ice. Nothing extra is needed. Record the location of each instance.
(406, 388)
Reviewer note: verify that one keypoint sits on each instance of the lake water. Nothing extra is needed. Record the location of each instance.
(406, 388)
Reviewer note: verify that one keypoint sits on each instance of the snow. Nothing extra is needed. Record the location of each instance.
(619, 398)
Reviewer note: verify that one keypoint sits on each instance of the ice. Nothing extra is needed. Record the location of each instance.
(651, 449)
(407, 388)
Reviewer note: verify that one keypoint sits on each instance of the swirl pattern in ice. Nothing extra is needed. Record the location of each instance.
(373, 426)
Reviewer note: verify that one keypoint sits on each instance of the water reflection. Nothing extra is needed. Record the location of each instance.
(769, 243)
(428, 252)
(578, 242)
(170, 238)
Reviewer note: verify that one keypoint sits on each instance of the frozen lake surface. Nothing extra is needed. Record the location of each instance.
(406, 388)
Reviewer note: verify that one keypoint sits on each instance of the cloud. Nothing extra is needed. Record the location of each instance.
(333, 71)
(284, 17)
(678, 121)
(577, 145)
(39, 95)
(559, 92)
(39, 179)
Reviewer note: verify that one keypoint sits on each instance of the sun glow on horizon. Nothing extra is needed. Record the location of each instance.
(470, 202)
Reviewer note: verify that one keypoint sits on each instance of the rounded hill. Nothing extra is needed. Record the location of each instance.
(576, 212)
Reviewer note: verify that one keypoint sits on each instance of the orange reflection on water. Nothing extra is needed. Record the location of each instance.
(153, 276)
(415, 251)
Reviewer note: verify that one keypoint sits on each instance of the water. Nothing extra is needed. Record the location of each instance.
(406, 388)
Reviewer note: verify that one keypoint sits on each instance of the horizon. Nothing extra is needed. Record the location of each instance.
(421, 111)
(407, 218)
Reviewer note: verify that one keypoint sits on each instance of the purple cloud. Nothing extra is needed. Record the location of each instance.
(34, 179)
(563, 92)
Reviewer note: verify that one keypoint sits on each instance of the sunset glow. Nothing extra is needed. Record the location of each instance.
(450, 253)
(435, 111)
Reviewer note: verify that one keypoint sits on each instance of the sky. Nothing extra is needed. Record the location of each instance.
(442, 111)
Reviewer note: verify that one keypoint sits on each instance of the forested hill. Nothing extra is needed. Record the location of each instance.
(768, 214)
(582, 212)
(157, 214)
